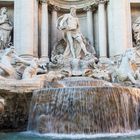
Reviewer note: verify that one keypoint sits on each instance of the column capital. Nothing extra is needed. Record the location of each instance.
(102, 1)
(55, 8)
(88, 8)
(43, 1)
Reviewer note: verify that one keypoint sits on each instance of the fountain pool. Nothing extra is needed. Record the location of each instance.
(134, 135)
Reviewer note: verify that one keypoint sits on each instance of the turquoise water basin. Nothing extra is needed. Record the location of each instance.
(34, 136)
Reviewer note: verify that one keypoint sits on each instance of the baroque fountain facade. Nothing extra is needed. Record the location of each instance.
(70, 66)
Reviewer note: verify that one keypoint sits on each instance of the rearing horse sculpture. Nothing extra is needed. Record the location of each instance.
(125, 71)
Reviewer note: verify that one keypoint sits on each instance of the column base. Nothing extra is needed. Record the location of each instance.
(27, 57)
(44, 60)
(103, 57)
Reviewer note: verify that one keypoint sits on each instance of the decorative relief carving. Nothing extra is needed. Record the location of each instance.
(67, 4)
(102, 1)
(88, 8)
(54, 8)
(43, 1)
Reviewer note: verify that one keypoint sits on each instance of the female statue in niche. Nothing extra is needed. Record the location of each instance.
(69, 24)
(136, 31)
(5, 28)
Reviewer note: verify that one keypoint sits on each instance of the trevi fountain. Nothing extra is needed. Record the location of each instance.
(69, 69)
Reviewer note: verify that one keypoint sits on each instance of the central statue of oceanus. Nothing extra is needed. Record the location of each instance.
(69, 24)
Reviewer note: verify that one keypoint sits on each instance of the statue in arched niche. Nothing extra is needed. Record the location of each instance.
(136, 32)
(76, 43)
(5, 28)
(74, 53)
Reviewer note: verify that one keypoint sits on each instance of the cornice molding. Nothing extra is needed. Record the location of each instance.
(54, 8)
(43, 1)
(102, 1)
(89, 8)
(66, 4)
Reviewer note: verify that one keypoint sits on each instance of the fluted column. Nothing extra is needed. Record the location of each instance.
(90, 24)
(102, 28)
(44, 31)
(53, 27)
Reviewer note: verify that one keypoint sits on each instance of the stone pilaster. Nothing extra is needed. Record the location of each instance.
(90, 23)
(24, 30)
(102, 28)
(119, 26)
(44, 30)
(54, 30)
(36, 28)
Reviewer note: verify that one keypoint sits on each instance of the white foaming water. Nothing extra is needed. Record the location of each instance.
(83, 136)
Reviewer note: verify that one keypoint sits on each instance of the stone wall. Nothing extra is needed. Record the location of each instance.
(16, 110)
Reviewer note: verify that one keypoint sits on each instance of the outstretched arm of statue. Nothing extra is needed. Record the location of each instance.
(61, 24)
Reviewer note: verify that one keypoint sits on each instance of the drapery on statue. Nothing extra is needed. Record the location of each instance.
(69, 24)
(136, 32)
(5, 28)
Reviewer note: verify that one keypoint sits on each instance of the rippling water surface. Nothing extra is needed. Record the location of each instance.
(33, 136)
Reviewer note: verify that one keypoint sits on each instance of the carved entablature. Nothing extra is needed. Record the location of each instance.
(54, 8)
(64, 5)
(102, 1)
(43, 1)
(89, 8)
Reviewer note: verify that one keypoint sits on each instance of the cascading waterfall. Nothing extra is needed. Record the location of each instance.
(85, 109)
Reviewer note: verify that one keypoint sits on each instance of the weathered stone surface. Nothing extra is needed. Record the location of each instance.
(16, 108)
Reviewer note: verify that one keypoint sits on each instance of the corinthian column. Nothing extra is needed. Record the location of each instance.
(53, 27)
(36, 28)
(102, 28)
(24, 29)
(44, 31)
(90, 24)
(119, 26)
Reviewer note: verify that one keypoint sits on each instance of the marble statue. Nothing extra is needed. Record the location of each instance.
(8, 67)
(125, 71)
(136, 38)
(5, 28)
(103, 69)
(58, 60)
(74, 53)
(54, 76)
(69, 24)
(9, 57)
(33, 69)
(136, 31)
